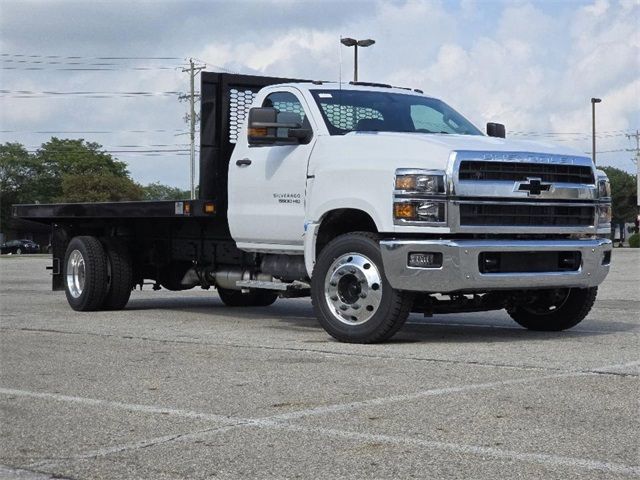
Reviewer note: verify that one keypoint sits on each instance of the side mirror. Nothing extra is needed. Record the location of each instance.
(496, 130)
(267, 126)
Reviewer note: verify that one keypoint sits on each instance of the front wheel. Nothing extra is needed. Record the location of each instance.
(555, 310)
(351, 296)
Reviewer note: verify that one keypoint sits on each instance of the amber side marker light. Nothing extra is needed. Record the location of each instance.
(187, 208)
(209, 207)
(257, 132)
(406, 211)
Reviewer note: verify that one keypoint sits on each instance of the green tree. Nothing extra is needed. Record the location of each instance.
(97, 187)
(158, 191)
(19, 178)
(69, 157)
(623, 194)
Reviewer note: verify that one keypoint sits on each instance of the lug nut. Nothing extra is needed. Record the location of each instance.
(334, 298)
(343, 307)
(363, 295)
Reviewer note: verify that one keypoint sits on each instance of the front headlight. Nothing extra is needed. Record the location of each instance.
(427, 182)
(418, 197)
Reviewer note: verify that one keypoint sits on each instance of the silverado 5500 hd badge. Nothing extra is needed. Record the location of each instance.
(288, 197)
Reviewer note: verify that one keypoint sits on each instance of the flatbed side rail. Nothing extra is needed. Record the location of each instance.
(147, 209)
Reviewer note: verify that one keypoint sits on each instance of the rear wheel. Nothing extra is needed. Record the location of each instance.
(120, 275)
(555, 310)
(253, 298)
(85, 274)
(351, 296)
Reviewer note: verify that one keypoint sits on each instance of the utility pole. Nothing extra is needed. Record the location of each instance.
(193, 70)
(636, 160)
(593, 125)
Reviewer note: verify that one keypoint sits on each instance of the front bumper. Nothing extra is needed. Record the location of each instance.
(460, 269)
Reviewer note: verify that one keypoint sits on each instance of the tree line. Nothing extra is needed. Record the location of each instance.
(70, 170)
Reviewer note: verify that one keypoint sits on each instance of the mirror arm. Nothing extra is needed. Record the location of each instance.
(273, 125)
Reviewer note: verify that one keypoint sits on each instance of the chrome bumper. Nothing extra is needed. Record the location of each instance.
(460, 270)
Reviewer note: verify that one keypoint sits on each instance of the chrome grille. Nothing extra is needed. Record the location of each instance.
(526, 215)
(478, 170)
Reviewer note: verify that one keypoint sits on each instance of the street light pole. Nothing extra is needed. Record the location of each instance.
(593, 129)
(355, 62)
(352, 42)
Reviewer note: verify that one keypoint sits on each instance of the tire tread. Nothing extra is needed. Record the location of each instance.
(121, 275)
(576, 308)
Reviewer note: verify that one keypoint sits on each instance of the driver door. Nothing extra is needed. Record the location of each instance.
(267, 186)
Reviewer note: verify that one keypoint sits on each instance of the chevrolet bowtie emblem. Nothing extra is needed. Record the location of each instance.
(534, 186)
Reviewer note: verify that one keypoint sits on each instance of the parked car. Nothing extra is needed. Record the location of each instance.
(19, 247)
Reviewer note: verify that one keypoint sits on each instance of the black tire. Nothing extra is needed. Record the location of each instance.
(120, 275)
(253, 298)
(555, 310)
(94, 287)
(392, 306)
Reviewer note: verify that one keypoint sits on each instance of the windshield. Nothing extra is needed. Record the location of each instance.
(347, 111)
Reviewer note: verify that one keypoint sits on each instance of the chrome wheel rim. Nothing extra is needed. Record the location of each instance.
(76, 274)
(353, 289)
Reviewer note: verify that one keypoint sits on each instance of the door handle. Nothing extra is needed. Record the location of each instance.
(243, 161)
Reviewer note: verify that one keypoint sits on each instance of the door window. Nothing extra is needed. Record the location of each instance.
(286, 102)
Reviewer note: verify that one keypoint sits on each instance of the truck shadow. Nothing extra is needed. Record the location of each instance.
(297, 315)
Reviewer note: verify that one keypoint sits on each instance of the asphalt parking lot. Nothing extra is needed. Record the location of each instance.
(179, 386)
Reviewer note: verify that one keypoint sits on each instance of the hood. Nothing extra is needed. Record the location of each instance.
(469, 142)
(416, 150)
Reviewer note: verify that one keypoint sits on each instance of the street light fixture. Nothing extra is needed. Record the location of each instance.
(352, 42)
(593, 125)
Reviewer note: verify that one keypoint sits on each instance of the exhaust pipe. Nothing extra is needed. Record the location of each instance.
(224, 278)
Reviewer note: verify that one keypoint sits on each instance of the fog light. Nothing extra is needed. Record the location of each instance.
(425, 260)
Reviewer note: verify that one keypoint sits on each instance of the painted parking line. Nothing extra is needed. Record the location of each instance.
(281, 422)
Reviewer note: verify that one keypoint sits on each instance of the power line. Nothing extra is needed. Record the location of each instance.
(79, 57)
(610, 151)
(60, 62)
(63, 150)
(88, 69)
(110, 147)
(48, 132)
(84, 94)
(614, 133)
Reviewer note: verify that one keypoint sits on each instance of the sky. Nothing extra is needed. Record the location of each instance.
(77, 69)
